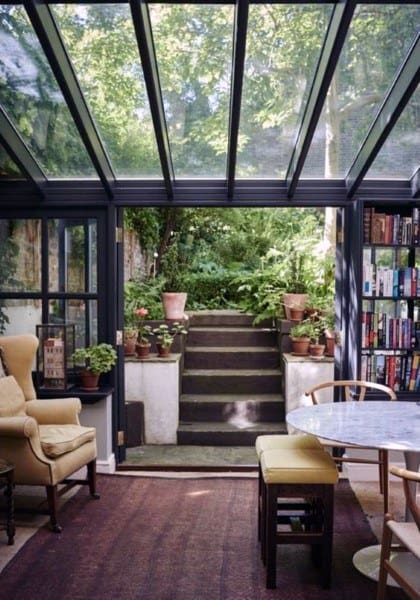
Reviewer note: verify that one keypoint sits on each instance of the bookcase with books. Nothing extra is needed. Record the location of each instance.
(390, 315)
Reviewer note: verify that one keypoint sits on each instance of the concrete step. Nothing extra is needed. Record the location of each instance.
(225, 407)
(230, 336)
(233, 357)
(239, 433)
(231, 381)
(220, 318)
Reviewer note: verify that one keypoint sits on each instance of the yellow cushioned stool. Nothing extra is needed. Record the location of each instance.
(307, 474)
(280, 442)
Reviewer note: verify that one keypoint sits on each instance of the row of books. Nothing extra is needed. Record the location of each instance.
(401, 372)
(384, 281)
(381, 228)
(379, 330)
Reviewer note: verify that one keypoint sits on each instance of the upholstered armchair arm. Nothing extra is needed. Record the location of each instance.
(57, 411)
(18, 427)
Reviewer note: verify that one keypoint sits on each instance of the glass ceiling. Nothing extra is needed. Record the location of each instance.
(193, 90)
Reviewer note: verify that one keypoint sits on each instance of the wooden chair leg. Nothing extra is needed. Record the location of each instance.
(327, 540)
(385, 554)
(271, 535)
(91, 474)
(384, 477)
(52, 497)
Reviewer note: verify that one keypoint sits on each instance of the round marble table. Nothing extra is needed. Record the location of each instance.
(377, 424)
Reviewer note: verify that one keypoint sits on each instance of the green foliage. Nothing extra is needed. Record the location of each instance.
(142, 293)
(303, 329)
(174, 267)
(9, 253)
(98, 358)
(146, 223)
(211, 290)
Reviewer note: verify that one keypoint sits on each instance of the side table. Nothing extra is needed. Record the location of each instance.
(7, 472)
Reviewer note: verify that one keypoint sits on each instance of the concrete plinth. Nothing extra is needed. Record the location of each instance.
(155, 382)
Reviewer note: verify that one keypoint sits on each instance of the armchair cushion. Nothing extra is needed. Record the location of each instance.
(12, 400)
(60, 439)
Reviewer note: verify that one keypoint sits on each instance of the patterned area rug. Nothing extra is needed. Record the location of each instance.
(179, 539)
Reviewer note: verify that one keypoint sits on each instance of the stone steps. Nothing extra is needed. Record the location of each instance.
(231, 381)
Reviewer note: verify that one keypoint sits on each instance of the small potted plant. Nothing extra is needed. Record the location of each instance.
(165, 336)
(316, 349)
(143, 333)
(97, 359)
(301, 335)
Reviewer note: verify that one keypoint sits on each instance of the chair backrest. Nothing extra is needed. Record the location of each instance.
(353, 389)
(19, 352)
(410, 495)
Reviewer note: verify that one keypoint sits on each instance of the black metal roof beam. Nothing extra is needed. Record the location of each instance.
(333, 43)
(415, 183)
(18, 150)
(238, 61)
(49, 36)
(143, 29)
(400, 92)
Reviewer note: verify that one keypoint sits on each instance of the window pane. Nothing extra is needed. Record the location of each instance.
(378, 40)
(8, 168)
(102, 44)
(83, 314)
(194, 53)
(32, 98)
(19, 316)
(399, 156)
(72, 245)
(20, 248)
(284, 43)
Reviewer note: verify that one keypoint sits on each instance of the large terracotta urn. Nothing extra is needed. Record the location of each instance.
(174, 305)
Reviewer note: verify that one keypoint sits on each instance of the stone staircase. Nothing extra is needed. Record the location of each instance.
(231, 382)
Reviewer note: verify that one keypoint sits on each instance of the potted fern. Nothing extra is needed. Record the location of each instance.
(174, 296)
(300, 336)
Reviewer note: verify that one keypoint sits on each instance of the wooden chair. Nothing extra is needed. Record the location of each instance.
(405, 572)
(356, 390)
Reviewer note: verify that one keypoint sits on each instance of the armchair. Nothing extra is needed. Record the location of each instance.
(43, 439)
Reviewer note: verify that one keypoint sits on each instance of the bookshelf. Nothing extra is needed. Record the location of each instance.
(390, 292)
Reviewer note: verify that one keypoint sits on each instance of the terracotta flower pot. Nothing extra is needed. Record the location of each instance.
(297, 301)
(163, 351)
(300, 346)
(142, 350)
(174, 305)
(89, 381)
(317, 350)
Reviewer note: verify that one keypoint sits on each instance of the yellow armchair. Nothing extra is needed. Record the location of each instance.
(43, 439)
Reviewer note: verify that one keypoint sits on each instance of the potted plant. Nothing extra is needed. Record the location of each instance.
(165, 336)
(331, 335)
(316, 349)
(143, 333)
(296, 289)
(130, 339)
(174, 296)
(301, 335)
(97, 359)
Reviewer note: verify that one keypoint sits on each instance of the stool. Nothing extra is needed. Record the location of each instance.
(280, 442)
(308, 474)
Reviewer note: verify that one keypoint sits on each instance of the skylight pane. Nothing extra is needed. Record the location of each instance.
(194, 53)
(8, 167)
(399, 157)
(284, 43)
(378, 39)
(101, 42)
(33, 100)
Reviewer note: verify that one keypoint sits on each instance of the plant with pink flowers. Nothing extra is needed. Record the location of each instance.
(144, 331)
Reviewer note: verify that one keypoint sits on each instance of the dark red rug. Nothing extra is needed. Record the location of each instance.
(178, 539)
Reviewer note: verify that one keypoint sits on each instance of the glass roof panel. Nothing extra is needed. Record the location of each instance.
(378, 39)
(194, 54)
(399, 157)
(8, 167)
(101, 41)
(283, 46)
(33, 100)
